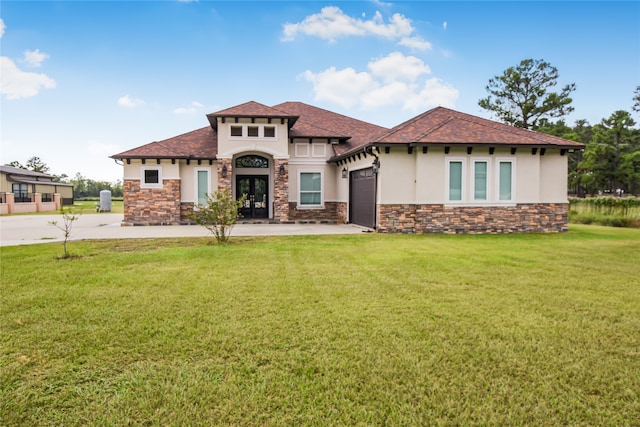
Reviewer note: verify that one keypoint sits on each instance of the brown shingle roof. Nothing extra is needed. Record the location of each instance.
(198, 144)
(439, 126)
(443, 126)
(251, 109)
(312, 119)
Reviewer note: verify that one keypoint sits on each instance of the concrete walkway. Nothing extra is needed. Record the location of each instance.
(33, 229)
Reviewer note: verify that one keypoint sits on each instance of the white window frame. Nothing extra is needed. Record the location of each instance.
(245, 131)
(144, 184)
(196, 200)
(463, 195)
(299, 204)
(473, 178)
(496, 185)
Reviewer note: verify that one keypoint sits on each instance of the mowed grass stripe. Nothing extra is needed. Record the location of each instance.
(324, 330)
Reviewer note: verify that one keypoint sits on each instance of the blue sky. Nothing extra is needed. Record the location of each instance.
(82, 80)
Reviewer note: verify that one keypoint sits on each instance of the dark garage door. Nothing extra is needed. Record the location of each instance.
(362, 197)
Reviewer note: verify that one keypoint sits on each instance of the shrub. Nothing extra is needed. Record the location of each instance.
(219, 214)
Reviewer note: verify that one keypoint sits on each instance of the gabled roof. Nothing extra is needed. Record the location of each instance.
(198, 144)
(441, 126)
(251, 109)
(24, 172)
(355, 133)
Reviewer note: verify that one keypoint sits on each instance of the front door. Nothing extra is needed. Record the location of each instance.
(256, 190)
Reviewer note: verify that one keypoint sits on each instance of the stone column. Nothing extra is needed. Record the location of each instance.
(57, 201)
(281, 190)
(225, 181)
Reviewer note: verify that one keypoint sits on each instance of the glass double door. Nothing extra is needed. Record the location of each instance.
(256, 191)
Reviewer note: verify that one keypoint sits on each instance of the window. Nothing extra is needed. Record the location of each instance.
(236, 130)
(455, 181)
(506, 178)
(480, 181)
(252, 131)
(151, 178)
(310, 189)
(269, 131)
(202, 186)
(252, 161)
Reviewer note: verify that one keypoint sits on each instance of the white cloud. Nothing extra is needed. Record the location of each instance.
(344, 87)
(395, 79)
(17, 84)
(34, 58)
(396, 66)
(191, 109)
(434, 93)
(332, 23)
(2, 27)
(415, 43)
(129, 102)
(444, 25)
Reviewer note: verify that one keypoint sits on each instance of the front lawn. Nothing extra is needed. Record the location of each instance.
(538, 329)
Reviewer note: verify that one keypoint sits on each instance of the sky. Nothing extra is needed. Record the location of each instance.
(82, 80)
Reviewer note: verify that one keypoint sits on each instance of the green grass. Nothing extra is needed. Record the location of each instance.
(539, 329)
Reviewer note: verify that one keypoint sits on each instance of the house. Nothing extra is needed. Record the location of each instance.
(23, 191)
(443, 171)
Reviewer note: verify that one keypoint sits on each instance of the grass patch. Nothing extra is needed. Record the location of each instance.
(325, 330)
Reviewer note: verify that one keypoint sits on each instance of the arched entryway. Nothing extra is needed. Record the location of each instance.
(252, 179)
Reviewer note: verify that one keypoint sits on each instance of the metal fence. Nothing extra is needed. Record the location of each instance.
(22, 197)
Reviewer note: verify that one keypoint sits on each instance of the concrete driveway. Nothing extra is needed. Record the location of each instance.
(32, 229)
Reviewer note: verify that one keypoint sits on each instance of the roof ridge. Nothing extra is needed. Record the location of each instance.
(405, 124)
(330, 112)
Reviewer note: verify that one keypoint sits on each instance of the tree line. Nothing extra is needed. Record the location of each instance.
(522, 96)
(82, 187)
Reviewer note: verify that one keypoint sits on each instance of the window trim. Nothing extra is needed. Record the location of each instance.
(143, 183)
(317, 145)
(245, 131)
(301, 149)
(487, 189)
(497, 180)
(463, 178)
(299, 202)
(196, 199)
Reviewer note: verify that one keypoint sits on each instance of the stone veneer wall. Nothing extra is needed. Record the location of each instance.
(152, 206)
(281, 211)
(522, 218)
(333, 211)
(185, 209)
(225, 181)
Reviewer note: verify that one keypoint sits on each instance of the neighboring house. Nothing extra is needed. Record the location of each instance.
(24, 191)
(442, 171)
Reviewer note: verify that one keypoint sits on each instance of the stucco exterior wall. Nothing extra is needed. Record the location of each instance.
(553, 177)
(228, 145)
(421, 178)
(188, 179)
